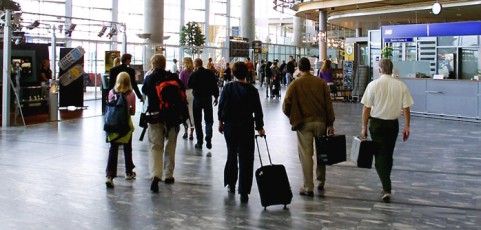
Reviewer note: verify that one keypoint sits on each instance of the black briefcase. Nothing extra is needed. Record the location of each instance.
(330, 149)
(362, 152)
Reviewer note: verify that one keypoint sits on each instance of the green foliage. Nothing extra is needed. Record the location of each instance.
(386, 52)
(191, 36)
(9, 5)
(13, 6)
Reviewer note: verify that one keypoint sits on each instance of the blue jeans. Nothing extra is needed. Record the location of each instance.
(203, 104)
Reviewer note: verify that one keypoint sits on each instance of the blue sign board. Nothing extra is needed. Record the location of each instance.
(454, 29)
(405, 31)
(398, 39)
(430, 30)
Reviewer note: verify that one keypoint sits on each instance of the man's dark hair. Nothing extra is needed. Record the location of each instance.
(386, 66)
(240, 70)
(125, 58)
(304, 65)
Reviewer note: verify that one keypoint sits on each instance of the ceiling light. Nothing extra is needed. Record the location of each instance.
(437, 7)
(102, 31)
(34, 25)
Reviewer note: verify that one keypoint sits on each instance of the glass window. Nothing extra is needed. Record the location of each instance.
(469, 63)
(448, 41)
(469, 41)
(446, 62)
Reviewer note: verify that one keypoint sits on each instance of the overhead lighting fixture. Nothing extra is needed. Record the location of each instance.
(102, 31)
(113, 31)
(144, 36)
(34, 25)
(70, 29)
(60, 28)
(437, 7)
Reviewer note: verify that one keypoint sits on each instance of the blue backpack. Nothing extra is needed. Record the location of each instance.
(116, 119)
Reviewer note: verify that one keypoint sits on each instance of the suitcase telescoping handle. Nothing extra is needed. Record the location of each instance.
(259, 152)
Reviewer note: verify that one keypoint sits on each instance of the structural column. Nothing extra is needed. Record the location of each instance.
(298, 31)
(182, 23)
(115, 18)
(358, 32)
(153, 25)
(323, 30)
(227, 31)
(247, 20)
(206, 53)
(68, 20)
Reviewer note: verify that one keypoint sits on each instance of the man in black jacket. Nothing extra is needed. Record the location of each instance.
(126, 59)
(204, 85)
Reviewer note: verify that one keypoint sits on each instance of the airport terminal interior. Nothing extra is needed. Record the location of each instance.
(53, 150)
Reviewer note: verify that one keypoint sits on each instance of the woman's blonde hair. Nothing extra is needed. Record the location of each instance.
(116, 61)
(326, 65)
(158, 61)
(122, 84)
(188, 64)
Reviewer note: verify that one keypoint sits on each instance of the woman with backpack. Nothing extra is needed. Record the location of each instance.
(122, 88)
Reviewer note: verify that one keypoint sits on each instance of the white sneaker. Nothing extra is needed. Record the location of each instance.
(130, 176)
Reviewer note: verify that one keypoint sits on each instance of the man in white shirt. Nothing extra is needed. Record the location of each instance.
(383, 101)
(175, 69)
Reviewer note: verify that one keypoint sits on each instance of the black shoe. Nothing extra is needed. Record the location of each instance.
(231, 189)
(154, 187)
(198, 146)
(184, 136)
(244, 198)
(304, 193)
(109, 182)
(169, 180)
(386, 197)
(209, 145)
(320, 188)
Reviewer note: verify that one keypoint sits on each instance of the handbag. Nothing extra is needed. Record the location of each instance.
(330, 149)
(362, 152)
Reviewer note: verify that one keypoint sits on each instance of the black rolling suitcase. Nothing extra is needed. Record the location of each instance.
(273, 183)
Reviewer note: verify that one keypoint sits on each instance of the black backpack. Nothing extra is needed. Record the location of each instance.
(116, 119)
(172, 103)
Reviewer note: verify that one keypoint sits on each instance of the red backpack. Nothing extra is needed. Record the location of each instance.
(172, 103)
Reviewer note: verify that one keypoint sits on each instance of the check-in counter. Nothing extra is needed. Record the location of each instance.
(450, 99)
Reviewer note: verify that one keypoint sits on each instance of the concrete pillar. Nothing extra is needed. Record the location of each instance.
(323, 29)
(68, 21)
(299, 31)
(206, 53)
(227, 31)
(358, 32)
(153, 25)
(182, 23)
(247, 20)
(7, 56)
(115, 18)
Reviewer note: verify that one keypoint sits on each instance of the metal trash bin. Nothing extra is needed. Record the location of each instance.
(53, 100)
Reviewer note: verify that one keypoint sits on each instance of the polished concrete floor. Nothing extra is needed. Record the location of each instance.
(52, 177)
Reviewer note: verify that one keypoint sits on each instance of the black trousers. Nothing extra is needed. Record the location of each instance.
(240, 156)
(384, 133)
(203, 104)
(111, 170)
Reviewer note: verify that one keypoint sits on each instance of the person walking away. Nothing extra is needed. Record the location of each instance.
(124, 67)
(204, 86)
(290, 69)
(275, 83)
(325, 72)
(308, 106)
(175, 69)
(268, 73)
(162, 139)
(383, 101)
(122, 86)
(251, 69)
(184, 77)
(262, 72)
(227, 73)
(240, 112)
(283, 71)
